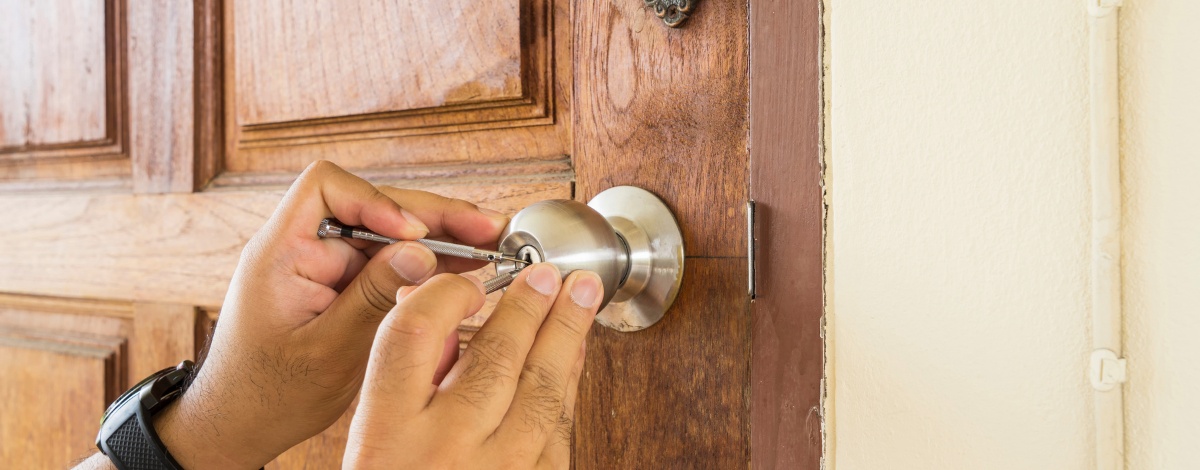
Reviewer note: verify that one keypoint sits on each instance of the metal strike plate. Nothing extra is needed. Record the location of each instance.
(626, 235)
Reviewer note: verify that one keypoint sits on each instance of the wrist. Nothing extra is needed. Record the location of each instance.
(196, 442)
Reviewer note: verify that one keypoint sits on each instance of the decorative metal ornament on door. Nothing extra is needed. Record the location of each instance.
(672, 12)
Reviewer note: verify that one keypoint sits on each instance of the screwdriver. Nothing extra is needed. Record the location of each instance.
(331, 228)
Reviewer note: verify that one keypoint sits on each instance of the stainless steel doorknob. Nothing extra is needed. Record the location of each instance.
(626, 235)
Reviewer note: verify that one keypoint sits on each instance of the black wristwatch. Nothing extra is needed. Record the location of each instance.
(127, 436)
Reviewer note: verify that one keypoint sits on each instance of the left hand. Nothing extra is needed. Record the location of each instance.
(296, 327)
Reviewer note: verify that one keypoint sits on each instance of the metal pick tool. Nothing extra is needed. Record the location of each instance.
(331, 228)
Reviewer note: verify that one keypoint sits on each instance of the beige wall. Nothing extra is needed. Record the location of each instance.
(958, 235)
(1160, 150)
(958, 179)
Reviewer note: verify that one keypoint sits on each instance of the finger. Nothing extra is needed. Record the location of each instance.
(325, 190)
(558, 450)
(450, 219)
(329, 262)
(449, 357)
(352, 268)
(446, 264)
(410, 341)
(485, 377)
(546, 375)
(351, 319)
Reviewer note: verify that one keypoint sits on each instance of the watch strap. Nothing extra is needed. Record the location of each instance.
(135, 446)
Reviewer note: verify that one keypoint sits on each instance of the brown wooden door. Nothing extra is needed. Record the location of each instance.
(144, 142)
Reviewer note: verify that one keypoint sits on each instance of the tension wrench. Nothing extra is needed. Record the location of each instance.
(331, 228)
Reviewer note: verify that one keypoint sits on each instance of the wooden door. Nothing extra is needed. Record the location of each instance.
(143, 143)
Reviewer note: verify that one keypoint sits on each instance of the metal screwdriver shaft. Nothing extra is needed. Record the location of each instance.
(331, 228)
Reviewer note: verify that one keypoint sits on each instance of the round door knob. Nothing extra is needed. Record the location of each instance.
(626, 235)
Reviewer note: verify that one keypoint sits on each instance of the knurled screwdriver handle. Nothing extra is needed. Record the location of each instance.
(330, 228)
(499, 282)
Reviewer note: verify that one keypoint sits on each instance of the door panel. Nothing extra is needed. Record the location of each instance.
(61, 84)
(299, 60)
(61, 363)
(53, 82)
(43, 407)
(458, 83)
(499, 102)
(676, 394)
(665, 109)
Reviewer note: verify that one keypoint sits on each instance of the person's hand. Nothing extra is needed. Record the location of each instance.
(296, 327)
(508, 403)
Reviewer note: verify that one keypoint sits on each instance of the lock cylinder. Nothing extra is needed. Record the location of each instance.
(626, 235)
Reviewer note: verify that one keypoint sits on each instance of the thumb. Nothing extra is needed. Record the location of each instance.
(357, 311)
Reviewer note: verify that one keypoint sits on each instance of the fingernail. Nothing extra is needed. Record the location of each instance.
(413, 262)
(498, 217)
(586, 290)
(543, 277)
(414, 221)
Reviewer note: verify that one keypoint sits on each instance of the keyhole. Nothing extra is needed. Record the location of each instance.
(530, 254)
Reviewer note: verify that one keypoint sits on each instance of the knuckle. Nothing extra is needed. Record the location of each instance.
(380, 198)
(489, 364)
(321, 166)
(496, 349)
(564, 430)
(542, 400)
(528, 305)
(459, 205)
(543, 378)
(378, 298)
(411, 326)
(570, 325)
(312, 175)
(456, 288)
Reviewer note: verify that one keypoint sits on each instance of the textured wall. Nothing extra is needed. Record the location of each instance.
(958, 235)
(1160, 114)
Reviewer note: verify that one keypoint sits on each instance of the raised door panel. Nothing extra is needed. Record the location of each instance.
(61, 363)
(53, 83)
(299, 62)
(375, 85)
(53, 394)
(61, 85)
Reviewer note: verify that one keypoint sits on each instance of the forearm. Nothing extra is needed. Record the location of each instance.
(96, 462)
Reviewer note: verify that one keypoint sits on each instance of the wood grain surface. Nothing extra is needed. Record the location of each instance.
(41, 407)
(785, 183)
(52, 73)
(665, 109)
(61, 363)
(404, 95)
(178, 249)
(210, 108)
(300, 60)
(162, 138)
(163, 335)
(673, 395)
(208, 57)
(63, 122)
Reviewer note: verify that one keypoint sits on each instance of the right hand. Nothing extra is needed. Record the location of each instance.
(508, 403)
(291, 347)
